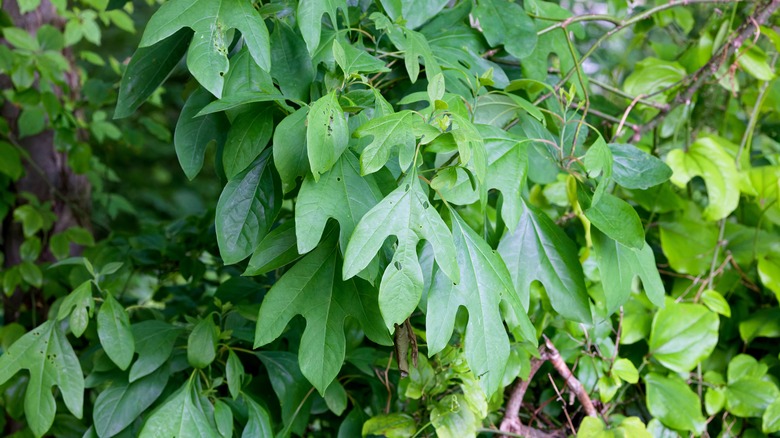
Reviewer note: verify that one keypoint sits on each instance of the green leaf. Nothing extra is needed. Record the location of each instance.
(406, 214)
(771, 419)
(79, 304)
(688, 245)
(312, 288)
(26, 6)
(505, 22)
(619, 264)
(452, 418)
(683, 335)
(327, 134)
(414, 12)
(617, 219)
(755, 62)
(249, 134)
(114, 332)
(715, 302)
(246, 209)
(507, 163)
(394, 425)
(202, 343)
(353, 60)
(234, 374)
(246, 76)
(750, 397)
(259, 423)
(10, 161)
(764, 323)
(625, 370)
(181, 415)
(292, 389)
(21, 39)
(670, 400)
(238, 99)
(310, 14)
(651, 75)
(397, 130)
(291, 67)
(714, 400)
(342, 194)
(148, 69)
(154, 341)
(223, 417)
(769, 272)
(278, 248)
(211, 20)
(47, 354)
(193, 133)
(635, 169)
(336, 398)
(484, 283)
(119, 405)
(32, 121)
(289, 147)
(707, 158)
(598, 161)
(555, 263)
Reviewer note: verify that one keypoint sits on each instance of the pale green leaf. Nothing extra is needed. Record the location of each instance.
(394, 425)
(683, 335)
(327, 134)
(398, 130)
(211, 20)
(715, 302)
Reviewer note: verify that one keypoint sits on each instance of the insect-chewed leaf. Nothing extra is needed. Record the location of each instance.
(47, 354)
(406, 214)
(312, 288)
(327, 134)
(211, 19)
(484, 283)
(539, 250)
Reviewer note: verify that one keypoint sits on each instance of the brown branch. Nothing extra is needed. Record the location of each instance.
(511, 422)
(696, 80)
(551, 353)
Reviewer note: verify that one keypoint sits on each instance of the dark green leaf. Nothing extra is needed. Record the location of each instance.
(406, 214)
(291, 65)
(193, 133)
(249, 134)
(202, 343)
(312, 288)
(148, 69)
(292, 389)
(180, 416)
(554, 263)
(290, 149)
(259, 423)
(506, 23)
(122, 403)
(277, 249)
(223, 417)
(154, 341)
(246, 209)
(636, 169)
(10, 161)
(234, 373)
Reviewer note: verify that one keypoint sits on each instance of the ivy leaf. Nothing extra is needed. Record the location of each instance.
(327, 134)
(246, 209)
(181, 415)
(342, 194)
(707, 158)
(312, 288)
(618, 265)
(114, 332)
(148, 69)
(506, 23)
(406, 214)
(554, 263)
(119, 405)
(310, 14)
(388, 132)
(193, 133)
(670, 400)
(484, 283)
(635, 169)
(683, 335)
(211, 20)
(249, 134)
(47, 354)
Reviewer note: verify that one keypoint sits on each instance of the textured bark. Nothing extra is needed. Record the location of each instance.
(47, 175)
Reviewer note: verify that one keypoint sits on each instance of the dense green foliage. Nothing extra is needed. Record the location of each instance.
(406, 218)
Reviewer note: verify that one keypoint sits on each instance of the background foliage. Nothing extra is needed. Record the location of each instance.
(396, 217)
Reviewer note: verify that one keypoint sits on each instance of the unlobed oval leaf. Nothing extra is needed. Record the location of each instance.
(114, 332)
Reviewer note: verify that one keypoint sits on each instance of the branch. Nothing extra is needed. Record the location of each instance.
(550, 353)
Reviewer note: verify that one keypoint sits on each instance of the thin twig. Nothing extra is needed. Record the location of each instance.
(574, 385)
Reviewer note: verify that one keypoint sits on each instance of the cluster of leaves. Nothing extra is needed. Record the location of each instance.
(430, 194)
